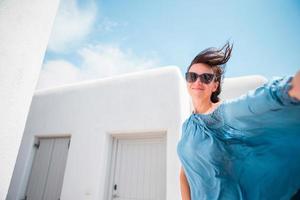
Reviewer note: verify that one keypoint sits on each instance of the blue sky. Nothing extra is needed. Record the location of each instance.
(95, 39)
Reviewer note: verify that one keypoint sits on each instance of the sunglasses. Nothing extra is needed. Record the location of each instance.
(205, 78)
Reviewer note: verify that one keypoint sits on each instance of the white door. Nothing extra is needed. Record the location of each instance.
(46, 177)
(140, 169)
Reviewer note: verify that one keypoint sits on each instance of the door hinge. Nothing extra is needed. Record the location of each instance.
(25, 198)
(37, 145)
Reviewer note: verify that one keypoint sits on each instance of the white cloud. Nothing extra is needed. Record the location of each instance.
(97, 62)
(58, 72)
(107, 60)
(72, 24)
(107, 25)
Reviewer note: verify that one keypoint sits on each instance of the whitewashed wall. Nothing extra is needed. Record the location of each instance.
(24, 32)
(150, 101)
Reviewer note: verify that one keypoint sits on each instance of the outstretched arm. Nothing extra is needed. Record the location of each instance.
(278, 100)
(295, 90)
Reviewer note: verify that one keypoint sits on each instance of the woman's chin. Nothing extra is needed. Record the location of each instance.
(198, 95)
(198, 92)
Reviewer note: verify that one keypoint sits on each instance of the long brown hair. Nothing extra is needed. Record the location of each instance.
(216, 59)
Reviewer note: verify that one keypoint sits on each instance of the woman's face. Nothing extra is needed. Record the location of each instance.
(197, 89)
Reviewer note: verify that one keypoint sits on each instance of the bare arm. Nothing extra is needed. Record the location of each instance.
(184, 186)
(295, 90)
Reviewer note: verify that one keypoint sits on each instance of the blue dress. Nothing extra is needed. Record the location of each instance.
(247, 148)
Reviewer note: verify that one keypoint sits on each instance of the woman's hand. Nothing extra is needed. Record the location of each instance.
(295, 89)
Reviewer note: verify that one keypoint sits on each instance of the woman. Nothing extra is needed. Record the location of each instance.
(244, 148)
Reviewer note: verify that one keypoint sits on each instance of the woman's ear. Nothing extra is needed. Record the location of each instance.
(216, 84)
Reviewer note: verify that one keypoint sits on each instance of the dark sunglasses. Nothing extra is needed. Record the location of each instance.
(205, 78)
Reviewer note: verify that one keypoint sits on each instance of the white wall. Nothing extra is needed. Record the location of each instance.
(236, 86)
(24, 32)
(150, 101)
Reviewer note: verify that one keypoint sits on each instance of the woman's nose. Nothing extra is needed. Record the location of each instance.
(198, 81)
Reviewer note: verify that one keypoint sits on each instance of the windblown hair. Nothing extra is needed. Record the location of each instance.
(216, 59)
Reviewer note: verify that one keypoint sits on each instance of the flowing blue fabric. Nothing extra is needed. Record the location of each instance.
(247, 148)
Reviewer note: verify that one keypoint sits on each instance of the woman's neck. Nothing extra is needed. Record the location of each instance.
(203, 107)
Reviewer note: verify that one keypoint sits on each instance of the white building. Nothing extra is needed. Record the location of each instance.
(113, 138)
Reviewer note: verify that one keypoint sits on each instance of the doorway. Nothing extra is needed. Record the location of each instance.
(47, 172)
(138, 169)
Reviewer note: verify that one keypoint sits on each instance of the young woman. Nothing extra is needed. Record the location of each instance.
(244, 148)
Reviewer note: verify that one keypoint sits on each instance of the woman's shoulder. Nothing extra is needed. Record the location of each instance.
(218, 104)
(215, 106)
(214, 119)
